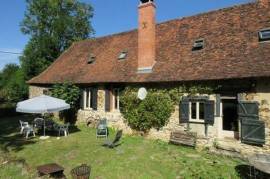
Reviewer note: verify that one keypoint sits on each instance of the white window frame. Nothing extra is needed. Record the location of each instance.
(261, 39)
(85, 91)
(197, 111)
(116, 108)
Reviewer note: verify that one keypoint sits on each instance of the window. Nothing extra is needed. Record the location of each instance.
(198, 44)
(123, 55)
(87, 99)
(91, 59)
(197, 111)
(46, 91)
(264, 35)
(116, 101)
(90, 98)
(193, 110)
(201, 110)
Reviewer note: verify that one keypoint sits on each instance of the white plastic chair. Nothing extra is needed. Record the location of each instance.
(29, 130)
(23, 126)
(64, 129)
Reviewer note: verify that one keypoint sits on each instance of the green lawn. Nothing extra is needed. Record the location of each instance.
(134, 158)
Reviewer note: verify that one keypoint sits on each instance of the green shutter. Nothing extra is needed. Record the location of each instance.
(249, 109)
(218, 101)
(252, 129)
(184, 111)
(252, 132)
(209, 112)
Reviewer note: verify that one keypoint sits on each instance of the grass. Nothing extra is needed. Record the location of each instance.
(134, 158)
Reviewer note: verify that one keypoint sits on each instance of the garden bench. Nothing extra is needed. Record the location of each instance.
(183, 138)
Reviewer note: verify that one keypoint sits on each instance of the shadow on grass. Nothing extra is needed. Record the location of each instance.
(246, 171)
(53, 133)
(11, 139)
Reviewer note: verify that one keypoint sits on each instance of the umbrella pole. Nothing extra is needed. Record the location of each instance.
(43, 125)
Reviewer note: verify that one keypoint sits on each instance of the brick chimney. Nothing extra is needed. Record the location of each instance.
(264, 3)
(146, 36)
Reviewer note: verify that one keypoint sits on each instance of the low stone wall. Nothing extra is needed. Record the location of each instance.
(115, 119)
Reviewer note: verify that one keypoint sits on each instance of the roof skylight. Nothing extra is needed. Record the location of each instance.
(264, 35)
(122, 55)
(91, 59)
(198, 44)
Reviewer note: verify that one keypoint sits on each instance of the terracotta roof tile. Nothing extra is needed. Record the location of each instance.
(231, 51)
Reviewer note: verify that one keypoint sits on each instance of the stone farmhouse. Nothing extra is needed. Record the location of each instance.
(229, 47)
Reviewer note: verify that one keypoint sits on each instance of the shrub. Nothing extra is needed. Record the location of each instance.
(154, 111)
(71, 94)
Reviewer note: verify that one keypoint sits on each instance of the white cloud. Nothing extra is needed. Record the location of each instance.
(6, 58)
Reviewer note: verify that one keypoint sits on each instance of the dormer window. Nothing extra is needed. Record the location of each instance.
(264, 35)
(91, 59)
(122, 55)
(198, 44)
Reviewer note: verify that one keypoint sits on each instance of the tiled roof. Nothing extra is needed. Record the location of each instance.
(232, 50)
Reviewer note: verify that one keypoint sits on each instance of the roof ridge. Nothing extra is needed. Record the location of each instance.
(108, 36)
(168, 21)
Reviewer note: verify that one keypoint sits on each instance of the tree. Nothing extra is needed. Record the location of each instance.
(12, 85)
(52, 25)
(7, 72)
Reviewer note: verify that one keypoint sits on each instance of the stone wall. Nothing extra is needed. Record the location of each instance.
(175, 125)
(262, 96)
(101, 99)
(116, 120)
(36, 91)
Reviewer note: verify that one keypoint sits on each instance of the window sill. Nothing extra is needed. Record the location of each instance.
(113, 111)
(88, 109)
(196, 121)
(265, 41)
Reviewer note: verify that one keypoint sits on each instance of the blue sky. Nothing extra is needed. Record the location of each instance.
(110, 16)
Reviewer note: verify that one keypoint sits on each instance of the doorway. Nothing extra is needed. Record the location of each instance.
(230, 123)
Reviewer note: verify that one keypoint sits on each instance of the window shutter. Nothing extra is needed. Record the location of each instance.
(107, 101)
(248, 109)
(252, 129)
(218, 100)
(94, 98)
(184, 111)
(209, 112)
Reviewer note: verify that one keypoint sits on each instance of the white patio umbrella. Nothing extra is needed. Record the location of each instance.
(41, 105)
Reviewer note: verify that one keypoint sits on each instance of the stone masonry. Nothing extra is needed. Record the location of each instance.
(37, 91)
(212, 140)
